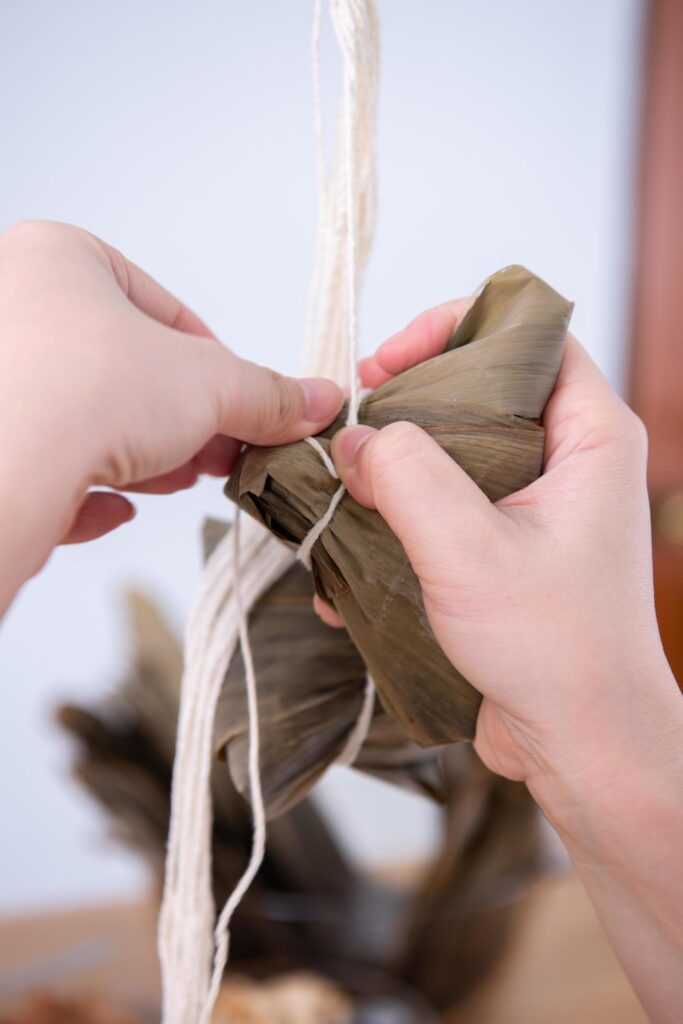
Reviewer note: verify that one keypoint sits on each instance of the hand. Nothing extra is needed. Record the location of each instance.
(106, 379)
(544, 602)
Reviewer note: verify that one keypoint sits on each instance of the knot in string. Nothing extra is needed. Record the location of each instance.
(306, 546)
(359, 733)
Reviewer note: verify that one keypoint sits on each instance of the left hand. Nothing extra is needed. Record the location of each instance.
(108, 380)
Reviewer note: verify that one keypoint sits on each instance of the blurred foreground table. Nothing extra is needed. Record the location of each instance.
(560, 968)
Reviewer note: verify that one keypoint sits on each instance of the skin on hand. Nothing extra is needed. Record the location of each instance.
(544, 601)
(509, 587)
(108, 380)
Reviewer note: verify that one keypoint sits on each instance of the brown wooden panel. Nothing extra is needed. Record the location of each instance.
(561, 969)
(657, 365)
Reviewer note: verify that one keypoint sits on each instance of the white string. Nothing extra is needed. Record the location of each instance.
(222, 930)
(327, 461)
(339, 16)
(311, 355)
(243, 568)
(345, 222)
(305, 548)
(187, 915)
(359, 733)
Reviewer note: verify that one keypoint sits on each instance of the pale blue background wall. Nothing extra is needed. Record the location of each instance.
(181, 133)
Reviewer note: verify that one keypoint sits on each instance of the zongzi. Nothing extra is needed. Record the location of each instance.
(482, 400)
(310, 908)
(311, 681)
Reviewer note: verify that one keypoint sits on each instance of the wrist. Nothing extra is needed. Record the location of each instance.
(42, 487)
(623, 800)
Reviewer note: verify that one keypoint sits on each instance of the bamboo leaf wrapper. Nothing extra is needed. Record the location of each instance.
(482, 401)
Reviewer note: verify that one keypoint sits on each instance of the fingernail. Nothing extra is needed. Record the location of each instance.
(324, 399)
(347, 443)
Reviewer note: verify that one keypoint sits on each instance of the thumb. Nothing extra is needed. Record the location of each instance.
(261, 406)
(428, 501)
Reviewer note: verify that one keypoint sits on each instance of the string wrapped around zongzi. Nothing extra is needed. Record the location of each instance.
(311, 681)
(482, 400)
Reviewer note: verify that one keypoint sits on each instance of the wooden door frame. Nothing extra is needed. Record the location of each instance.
(656, 371)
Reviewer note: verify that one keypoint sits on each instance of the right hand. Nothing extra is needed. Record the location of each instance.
(544, 601)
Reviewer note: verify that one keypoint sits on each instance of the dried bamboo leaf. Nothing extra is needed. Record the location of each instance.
(389, 755)
(311, 681)
(307, 908)
(481, 400)
(463, 915)
(125, 760)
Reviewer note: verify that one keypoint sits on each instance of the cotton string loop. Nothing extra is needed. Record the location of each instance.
(359, 733)
(248, 562)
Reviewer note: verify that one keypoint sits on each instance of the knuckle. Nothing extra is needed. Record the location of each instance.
(440, 323)
(393, 448)
(24, 232)
(632, 436)
(281, 407)
(36, 230)
(34, 238)
(27, 229)
(401, 438)
(637, 434)
(428, 324)
(286, 408)
(119, 268)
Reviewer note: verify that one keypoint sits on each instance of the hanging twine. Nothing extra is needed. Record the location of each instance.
(347, 194)
(194, 953)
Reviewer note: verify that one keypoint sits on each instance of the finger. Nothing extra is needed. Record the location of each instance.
(583, 409)
(217, 458)
(151, 298)
(579, 376)
(426, 336)
(329, 615)
(180, 479)
(262, 407)
(426, 498)
(371, 373)
(345, 449)
(100, 513)
(255, 404)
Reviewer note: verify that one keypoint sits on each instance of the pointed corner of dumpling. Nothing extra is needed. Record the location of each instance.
(520, 322)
